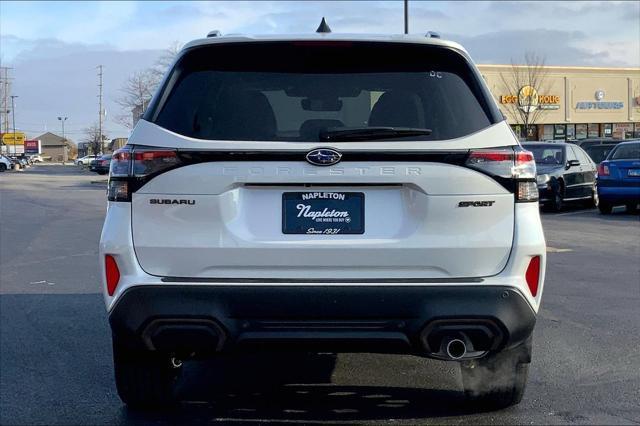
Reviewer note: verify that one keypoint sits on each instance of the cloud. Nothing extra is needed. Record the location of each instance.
(55, 78)
(557, 47)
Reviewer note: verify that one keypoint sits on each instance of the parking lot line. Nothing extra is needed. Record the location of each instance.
(558, 250)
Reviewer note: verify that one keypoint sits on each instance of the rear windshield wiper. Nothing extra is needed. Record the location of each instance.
(343, 134)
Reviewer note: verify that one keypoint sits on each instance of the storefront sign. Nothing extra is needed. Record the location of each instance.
(599, 103)
(16, 138)
(529, 99)
(32, 147)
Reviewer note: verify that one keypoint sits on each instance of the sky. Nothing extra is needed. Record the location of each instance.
(55, 47)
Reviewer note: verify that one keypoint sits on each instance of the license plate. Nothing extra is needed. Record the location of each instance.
(323, 213)
(634, 172)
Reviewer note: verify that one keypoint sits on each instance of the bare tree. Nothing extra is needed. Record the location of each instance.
(164, 61)
(93, 139)
(136, 94)
(140, 86)
(524, 83)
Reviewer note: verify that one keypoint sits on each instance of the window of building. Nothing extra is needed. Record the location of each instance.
(607, 130)
(559, 131)
(594, 130)
(581, 131)
(547, 132)
(623, 130)
(571, 131)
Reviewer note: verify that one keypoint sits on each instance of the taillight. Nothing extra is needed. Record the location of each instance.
(532, 275)
(516, 165)
(132, 167)
(112, 273)
(146, 163)
(603, 169)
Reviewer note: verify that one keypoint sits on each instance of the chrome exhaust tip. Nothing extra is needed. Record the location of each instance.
(455, 348)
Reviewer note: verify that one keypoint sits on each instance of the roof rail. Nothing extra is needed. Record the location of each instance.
(432, 34)
(214, 33)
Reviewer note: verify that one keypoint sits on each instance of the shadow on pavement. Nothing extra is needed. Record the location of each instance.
(288, 388)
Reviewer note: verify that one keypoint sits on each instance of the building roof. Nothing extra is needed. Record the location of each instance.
(51, 139)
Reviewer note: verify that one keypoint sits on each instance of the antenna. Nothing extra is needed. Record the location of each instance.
(323, 27)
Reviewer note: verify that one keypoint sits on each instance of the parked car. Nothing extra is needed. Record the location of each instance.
(324, 193)
(101, 164)
(565, 173)
(26, 158)
(36, 158)
(585, 143)
(619, 178)
(5, 163)
(22, 161)
(86, 160)
(598, 153)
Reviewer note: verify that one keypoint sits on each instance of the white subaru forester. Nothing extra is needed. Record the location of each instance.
(325, 192)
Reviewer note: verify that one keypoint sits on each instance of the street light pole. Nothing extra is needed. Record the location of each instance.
(13, 112)
(64, 141)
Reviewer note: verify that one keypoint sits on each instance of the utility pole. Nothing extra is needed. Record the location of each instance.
(406, 16)
(4, 117)
(13, 112)
(100, 107)
(64, 141)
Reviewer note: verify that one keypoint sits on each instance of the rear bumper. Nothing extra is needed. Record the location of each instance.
(619, 193)
(181, 318)
(545, 193)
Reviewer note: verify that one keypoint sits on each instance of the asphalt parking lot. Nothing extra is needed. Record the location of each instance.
(55, 349)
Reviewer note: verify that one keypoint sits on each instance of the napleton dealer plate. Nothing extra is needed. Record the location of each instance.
(323, 213)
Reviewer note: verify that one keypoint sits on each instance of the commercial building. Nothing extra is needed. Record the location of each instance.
(55, 148)
(571, 102)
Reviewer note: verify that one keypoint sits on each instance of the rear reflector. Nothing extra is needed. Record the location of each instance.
(112, 273)
(533, 275)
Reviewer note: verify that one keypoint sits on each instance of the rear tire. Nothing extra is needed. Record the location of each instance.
(497, 380)
(604, 207)
(144, 379)
(3, 167)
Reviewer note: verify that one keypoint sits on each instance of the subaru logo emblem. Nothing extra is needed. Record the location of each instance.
(323, 157)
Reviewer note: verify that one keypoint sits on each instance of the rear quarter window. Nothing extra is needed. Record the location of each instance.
(292, 91)
(626, 152)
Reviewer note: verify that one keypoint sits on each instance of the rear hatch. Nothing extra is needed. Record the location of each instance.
(254, 186)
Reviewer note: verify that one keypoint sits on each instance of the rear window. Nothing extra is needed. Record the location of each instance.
(546, 154)
(626, 152)
(292, 91)
(599, 152)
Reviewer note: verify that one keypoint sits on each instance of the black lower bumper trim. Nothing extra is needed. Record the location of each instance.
(356, 318)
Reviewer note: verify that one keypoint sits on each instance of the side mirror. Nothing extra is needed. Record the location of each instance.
(572, 163)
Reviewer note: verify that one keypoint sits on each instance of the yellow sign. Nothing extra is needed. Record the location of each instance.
(16, 138)
(529, 96)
